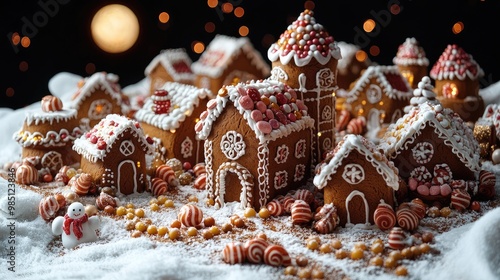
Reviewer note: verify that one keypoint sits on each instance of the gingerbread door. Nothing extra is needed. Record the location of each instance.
(354, 201)
(127, 177)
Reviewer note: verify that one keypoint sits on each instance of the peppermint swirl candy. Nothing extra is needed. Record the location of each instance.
(384, 216)
(190, 215)
(233, 253)
(275, 208)
(158, 186)
(254, 250)
(301, 212)
(407, 219)
(276, 255)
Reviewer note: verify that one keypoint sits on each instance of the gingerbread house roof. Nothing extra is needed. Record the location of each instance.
(348, 54)
(106, 82)
(303, 40)
(183, 100)
(220, 53)
(392, 83)
(353, 142)
(97, 143)
(447, 125)
(270, 108)
(455, 63)
(52, 138)
(176, 61)
(410, 53)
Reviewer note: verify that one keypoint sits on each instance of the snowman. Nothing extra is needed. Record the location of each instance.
(75, 227)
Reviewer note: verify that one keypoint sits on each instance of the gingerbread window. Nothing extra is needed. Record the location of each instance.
(281, 154)
(280, 179)
(300, 149)
(187, 147)
(374, 94)
(325, 78)
(99, 109)
(52, 160)
(232, 145)
(127, 148)
(326, 115)
(353, 173)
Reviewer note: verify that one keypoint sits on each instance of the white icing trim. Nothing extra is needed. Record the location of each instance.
(127, 148)
(37, 117)
(246, 180)
(378, 72)
(281, 154)
(349, 198)
(167, 58)
(352, 142)
(51, 139)
(263, 171)
(209, 168)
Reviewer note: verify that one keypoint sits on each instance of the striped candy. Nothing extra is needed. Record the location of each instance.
(81, 184)
(51, 103)
(486, 177)
(407, 219)
(190, 215)
(356, 125)
(48, 207)
(460, 199)
(397, 238)
(254, 250)
(158, 186)
(287, 203)
(166, 173)
(419, 207)
(305, 195)
(233, 253)
(326, 225)
(26, 174)
(343, 119)
(104, 200)
(275, 208)
(200, 182)
(384, 216)
(301, 212)
(276, 255)
(199, 169)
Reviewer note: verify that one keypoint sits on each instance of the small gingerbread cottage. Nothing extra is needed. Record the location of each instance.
(171, 65)
(379, 95)
(114, 153)
(96, 97)
(305, 58)
(456, 76)
(48, 133)
(226, 60)
(411, 61)
(257, 143)
(354, 60)
(429, 136)
(355, 176)
(174, 127)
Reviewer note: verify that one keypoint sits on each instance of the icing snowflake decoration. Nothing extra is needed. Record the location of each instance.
(423, 152)
(232, 145)
(353, 173)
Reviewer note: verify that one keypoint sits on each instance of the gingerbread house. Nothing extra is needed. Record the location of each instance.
(114, 153)
(456, 76)
(96, 97)
(354, 60)
(49, 134)
(171, 65)
(257, 143)
(174, 127)
(305, 58)
(355, 176)
(227, 60)
(411, 61)
(379, 95)
(430, 136)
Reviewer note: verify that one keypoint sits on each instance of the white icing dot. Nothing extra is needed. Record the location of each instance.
(293, 34)
(300, 29)
(291, 41)
(306, 37)
(302, 42)
(309, 28)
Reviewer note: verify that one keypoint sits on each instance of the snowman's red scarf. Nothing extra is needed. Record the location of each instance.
(77, 225)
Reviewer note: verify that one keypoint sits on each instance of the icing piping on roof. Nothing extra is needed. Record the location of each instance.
(410, 53)
(349, 143)
(271, 90)
(105, 133)
(167, 58)
(220, 53)
(379, 72)
(106, 82)
(184, 99)
(303, 40)
(455, 63)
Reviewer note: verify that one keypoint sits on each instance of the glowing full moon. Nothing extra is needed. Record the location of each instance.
(114, 28)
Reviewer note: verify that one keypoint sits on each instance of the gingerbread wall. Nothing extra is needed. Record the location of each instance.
(83, 109)
(158, 77)
(373, 186)
(417, 73)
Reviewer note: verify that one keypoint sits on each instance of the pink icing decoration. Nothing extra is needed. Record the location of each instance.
(264, 127)
(198, 126)
(246, 102)
(256, 115)
(211, 104)
(274, 123)
(445, 190)
(203, 115)
(435, 190)
(423, 190)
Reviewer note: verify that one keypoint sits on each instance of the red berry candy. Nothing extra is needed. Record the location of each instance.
(101, 145)
(475, 206)
(186, 165)
(93, 139)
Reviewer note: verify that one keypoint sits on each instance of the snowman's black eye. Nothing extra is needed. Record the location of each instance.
(74, 210)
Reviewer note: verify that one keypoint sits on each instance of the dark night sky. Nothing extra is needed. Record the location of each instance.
(63, 42)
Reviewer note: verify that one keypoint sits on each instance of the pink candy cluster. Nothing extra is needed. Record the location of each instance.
(305, 36)
(454, 60)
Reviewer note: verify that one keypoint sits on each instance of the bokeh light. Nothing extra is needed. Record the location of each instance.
(212, 3)
(361, 56)
(243, 31)
(457, 27)
(395, 9)
(25, 41)
(374, 50)
(227, 7)
(369, 25)
(10, 92)
(16, 39)
(198, 47)
(209, 27)
(239, 12)
(23, 66)
(164, 17)
(309, 5)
